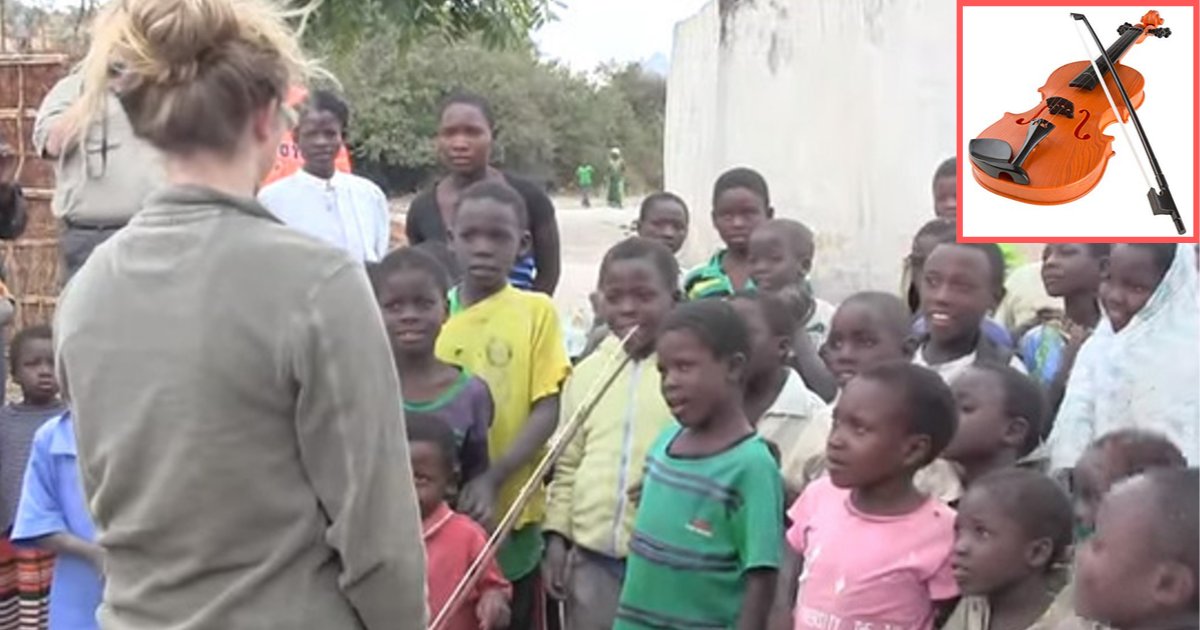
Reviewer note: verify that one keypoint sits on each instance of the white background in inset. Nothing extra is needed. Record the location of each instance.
(1009, 52)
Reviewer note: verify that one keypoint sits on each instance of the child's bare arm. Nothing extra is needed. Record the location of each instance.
(807, 361)
(756, 603)
(543, 420)
(64, 543)
(480, 495)
(785, 589)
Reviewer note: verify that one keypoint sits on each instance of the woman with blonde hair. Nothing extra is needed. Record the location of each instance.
(239, 424)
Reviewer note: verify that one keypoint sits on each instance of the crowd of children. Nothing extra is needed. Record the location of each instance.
(783, 462)
(765, 459)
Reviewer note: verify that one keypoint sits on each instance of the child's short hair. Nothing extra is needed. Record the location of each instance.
(459, 96)
(409, 259)
(1036, 502)
(891, 309)
(931, 408)
(1023, 398)
(638, 248)
(948, 168)
(776, 311)
(441, 251)
(22, 338)
(654, 198)
(430, 430)
(995, 258)
(499, 192)
(795, 234)
(1130, 452)
(714, 322)
(747, 178)
(941, 229)
(1163, 253)
(1175, 517)
(327, 101)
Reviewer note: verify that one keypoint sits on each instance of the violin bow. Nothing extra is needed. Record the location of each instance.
(1161, 202)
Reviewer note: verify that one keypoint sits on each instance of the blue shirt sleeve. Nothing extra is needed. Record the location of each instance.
(39, 512)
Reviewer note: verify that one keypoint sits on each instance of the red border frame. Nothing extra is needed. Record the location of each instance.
(1195, 5)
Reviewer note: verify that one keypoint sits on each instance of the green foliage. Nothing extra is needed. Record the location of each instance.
(498, 23)
(549, 120)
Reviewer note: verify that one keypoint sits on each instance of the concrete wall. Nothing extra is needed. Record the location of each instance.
(845, 106)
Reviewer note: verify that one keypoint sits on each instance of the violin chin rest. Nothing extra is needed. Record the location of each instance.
(990, 149)
(994, 157)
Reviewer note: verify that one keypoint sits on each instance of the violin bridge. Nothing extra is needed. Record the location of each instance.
(1060, 106)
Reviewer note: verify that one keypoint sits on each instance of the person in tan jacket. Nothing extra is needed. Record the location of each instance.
(238, 416)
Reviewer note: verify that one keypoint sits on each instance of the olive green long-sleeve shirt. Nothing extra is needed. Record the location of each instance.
(240, 429)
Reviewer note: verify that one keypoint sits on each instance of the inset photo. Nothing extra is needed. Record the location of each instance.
(1055, 145)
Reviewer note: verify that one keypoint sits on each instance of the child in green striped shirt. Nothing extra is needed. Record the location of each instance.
(707, 536)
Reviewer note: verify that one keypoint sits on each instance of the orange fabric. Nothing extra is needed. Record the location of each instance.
(289, 160)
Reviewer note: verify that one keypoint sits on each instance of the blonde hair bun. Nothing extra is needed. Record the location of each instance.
(181, 66)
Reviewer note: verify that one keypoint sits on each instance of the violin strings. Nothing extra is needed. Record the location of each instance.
(1104, 84)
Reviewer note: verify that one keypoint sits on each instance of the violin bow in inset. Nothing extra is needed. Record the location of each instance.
(1161, 202)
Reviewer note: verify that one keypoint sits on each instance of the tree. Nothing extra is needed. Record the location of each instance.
(549, 119)
(498, 23)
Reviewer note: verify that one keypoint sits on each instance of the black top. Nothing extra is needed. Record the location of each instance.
(424, 220)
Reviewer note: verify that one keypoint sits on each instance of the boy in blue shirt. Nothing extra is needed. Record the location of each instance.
(53, 515)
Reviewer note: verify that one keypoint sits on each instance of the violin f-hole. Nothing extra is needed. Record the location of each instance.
(1024, 121)
(1079, 128)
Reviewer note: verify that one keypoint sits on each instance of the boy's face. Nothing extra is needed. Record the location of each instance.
(488, 238)
(945, 197)
(694, 381)
(774, 263)
(1092, 477)
(858, 341)
(666, 222)
(1131, 279)
(35, 371)
(869, 442)
(1121, 578)
(413, 311)
(1069, 269)
(431, 475)
(991, 549)
(984, 427)
(736, 214)
(319, 136)
(767, 350)
(634, 293)
(956, 292)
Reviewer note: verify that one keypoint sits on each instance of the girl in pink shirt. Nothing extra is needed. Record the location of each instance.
(875, 551)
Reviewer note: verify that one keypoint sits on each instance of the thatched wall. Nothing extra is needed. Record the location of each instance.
(31, 263)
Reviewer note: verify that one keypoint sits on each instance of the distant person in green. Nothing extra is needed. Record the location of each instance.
(616, 179)
(583, 176)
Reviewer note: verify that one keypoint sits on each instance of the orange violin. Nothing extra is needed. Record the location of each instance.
(1057, 151)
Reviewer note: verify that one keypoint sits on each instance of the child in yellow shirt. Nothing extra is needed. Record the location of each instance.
(512, 340)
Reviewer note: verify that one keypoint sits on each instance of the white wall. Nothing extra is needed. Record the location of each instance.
(845, 106)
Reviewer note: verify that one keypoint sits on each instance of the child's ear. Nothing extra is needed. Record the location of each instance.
(806, 264)
(909, 347)
(526, 244)
(1039, 554)
(783, 345)
(770, 212)
(1174, 585)
(1016, 431)
(737, 367)
(916, 451)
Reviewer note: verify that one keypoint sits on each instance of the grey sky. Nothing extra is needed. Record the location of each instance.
(590, 32)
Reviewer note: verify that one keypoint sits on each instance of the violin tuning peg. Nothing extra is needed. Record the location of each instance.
(1162, 32)
(1124, 27)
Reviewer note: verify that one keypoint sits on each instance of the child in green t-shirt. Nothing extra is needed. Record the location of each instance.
(706, 542)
